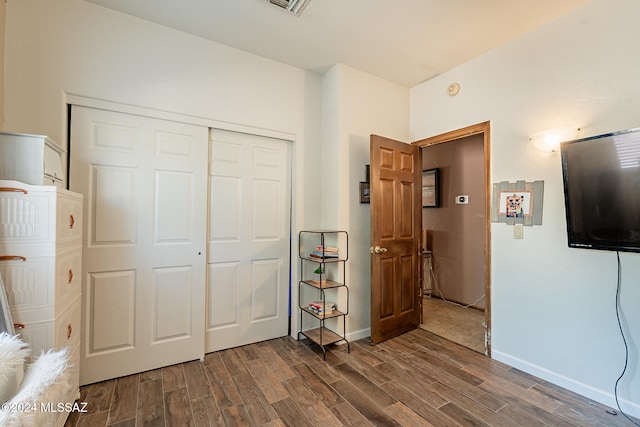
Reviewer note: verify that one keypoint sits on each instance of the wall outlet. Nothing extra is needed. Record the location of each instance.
(518, 231)
(462, 199)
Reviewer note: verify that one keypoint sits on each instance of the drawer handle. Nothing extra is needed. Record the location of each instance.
(12, 258)
(69, 330)
(70, 275)
(13, 190)
(19, 326)
(71, 221)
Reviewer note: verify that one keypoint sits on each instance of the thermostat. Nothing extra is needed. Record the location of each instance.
(462, 199)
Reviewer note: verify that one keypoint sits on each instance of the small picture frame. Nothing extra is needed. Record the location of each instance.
(516, 204)
(365, 194)
(431, 188)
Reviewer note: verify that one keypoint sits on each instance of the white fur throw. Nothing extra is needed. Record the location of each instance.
(45, 385)
(13, 353)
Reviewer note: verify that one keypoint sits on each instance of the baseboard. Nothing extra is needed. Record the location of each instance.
(358, 335)
(600, 396)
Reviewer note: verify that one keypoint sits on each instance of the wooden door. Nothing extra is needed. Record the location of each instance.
(249, 239)
(396, 302)
(145, 203)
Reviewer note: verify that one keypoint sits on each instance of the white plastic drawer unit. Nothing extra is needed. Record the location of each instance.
(32, 159)
(63, 331)
(41, 267)
(39, 287)
(39, 220)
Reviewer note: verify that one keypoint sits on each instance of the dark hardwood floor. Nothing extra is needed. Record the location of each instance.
(417, 379)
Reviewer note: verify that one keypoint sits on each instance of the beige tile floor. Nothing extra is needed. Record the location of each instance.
(464, 326)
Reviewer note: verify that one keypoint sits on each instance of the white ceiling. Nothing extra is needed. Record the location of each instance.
(404, 41)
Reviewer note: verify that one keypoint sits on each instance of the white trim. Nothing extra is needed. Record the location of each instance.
(176, 117)
(600, 396)
(358, 335)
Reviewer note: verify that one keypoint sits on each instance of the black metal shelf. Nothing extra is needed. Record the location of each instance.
(307, 242)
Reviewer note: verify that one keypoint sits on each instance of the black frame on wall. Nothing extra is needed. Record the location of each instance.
(431, 188)
(365, 191)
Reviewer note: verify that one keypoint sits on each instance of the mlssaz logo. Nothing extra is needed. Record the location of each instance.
(64, 407)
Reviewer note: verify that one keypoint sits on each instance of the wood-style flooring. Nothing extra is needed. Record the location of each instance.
(417, 379)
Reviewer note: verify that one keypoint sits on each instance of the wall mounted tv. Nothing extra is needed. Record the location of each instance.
(601, 176)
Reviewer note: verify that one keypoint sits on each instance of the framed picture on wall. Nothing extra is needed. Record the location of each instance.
(431, 188)
(516, 204)
(364, 192)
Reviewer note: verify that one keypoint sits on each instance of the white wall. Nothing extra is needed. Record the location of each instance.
(55, 48)
(76, 48)
(553, 308)
(356, 105)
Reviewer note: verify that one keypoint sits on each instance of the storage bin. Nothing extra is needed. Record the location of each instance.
(32, 159)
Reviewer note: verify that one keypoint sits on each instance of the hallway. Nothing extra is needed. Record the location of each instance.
(461, 325)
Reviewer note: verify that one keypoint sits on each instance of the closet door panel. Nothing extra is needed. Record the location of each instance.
(145, 186)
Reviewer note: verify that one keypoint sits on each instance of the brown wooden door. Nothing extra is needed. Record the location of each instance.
(396, 223)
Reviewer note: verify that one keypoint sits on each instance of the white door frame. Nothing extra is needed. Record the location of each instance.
(70, 99)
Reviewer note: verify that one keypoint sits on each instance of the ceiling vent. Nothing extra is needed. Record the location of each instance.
(293, 6)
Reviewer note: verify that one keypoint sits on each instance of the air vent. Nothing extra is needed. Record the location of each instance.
(293, 6)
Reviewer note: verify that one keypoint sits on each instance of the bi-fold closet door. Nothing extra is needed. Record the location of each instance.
(185, 251)
(249, 239)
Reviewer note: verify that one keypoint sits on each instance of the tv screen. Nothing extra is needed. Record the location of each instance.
(601, 176)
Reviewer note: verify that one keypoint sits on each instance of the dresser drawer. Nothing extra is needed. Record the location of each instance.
(64, 331)
(29, 284)
(68, 327)
(39, 336)
(25, 216)
(68, 277)
(38, 219)
(34, 292)
(69, 217)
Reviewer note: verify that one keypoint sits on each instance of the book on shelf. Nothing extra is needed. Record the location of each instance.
(322, 255)
(327, 248)
(322, 312)
(322, 304)
(325, 252)
(322, 307)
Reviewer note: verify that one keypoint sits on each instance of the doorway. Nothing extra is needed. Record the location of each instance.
(456, 267)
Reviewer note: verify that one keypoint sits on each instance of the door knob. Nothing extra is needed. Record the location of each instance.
(379, 250)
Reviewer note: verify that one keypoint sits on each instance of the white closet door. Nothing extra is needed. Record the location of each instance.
(249, 239)
(144, 185)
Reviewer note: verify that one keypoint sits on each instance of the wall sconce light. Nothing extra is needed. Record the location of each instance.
(549, 140)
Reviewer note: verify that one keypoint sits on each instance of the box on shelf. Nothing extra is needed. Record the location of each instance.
(31, 159)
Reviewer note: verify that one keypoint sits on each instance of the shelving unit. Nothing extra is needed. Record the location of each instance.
(317, 258)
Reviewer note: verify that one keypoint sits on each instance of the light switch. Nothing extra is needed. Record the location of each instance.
(518, 231)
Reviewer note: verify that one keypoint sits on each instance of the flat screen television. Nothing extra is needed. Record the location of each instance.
(601, 178)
